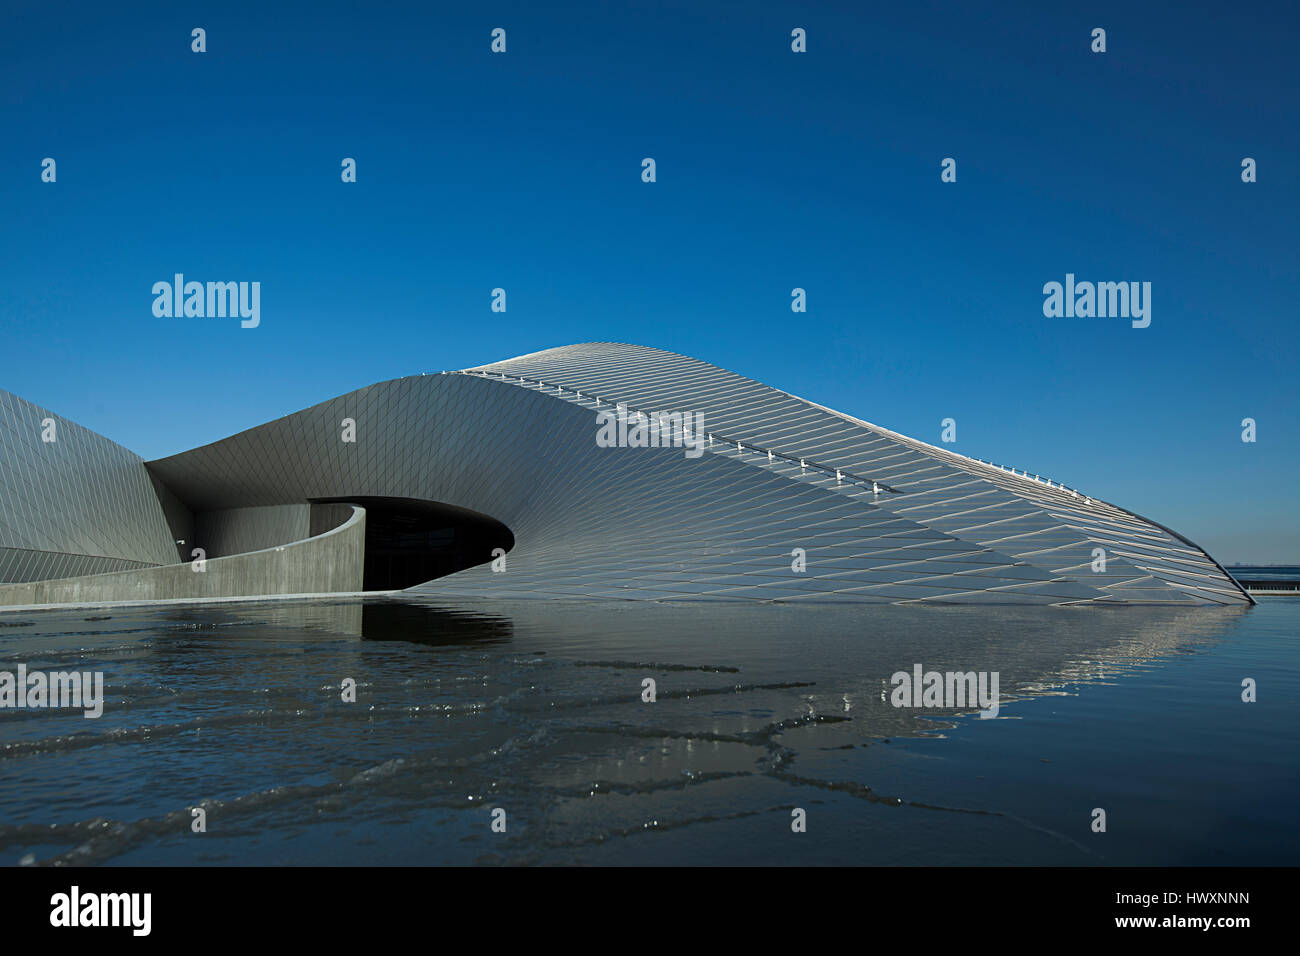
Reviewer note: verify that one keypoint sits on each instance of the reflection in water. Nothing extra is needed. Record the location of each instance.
(539, 708)
(423, 624)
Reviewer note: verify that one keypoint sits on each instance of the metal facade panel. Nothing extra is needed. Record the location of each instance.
(78, 496)
(516, 440)
(878, 517)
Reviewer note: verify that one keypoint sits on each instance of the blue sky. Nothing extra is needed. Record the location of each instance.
(775, 170)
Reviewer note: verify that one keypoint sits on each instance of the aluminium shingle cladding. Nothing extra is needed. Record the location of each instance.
(80, 504)
(516, 440)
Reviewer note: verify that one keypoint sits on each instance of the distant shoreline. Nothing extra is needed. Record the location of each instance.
(1267, 579)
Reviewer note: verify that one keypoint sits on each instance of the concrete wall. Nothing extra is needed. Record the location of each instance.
(330, 563)
(328, 515)
(240, 530)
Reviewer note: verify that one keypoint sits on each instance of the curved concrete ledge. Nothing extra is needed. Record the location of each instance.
(327, 563)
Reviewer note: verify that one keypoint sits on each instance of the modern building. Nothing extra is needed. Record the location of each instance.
(594, 471)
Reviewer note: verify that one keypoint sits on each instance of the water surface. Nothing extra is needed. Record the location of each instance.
(535, 708)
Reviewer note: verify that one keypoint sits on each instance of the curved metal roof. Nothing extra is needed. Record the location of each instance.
(879, 516)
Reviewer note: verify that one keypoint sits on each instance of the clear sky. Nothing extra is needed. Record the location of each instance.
(775, 170)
